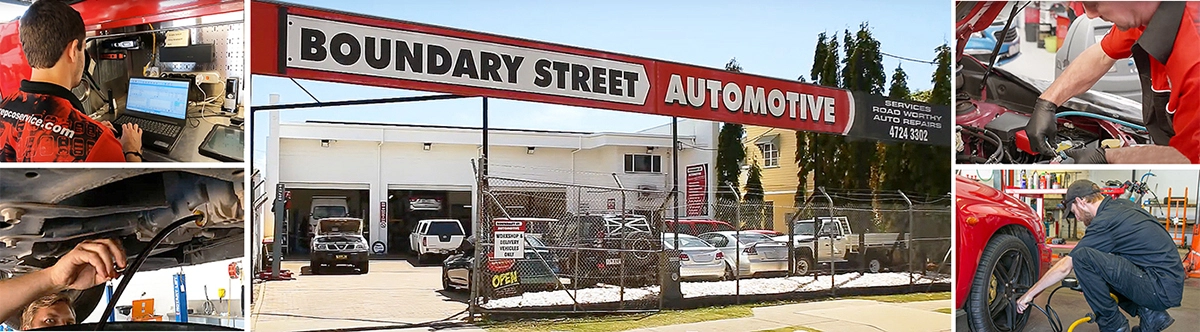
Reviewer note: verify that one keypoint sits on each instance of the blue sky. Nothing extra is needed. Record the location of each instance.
(771, 38)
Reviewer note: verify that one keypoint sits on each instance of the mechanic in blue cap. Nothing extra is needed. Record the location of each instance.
(1125, 252)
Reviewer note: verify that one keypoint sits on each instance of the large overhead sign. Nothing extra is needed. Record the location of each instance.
(325, 45)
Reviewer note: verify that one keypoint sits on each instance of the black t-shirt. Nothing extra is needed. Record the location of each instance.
(1124, 229)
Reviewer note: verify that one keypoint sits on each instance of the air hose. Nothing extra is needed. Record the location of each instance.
(1085, 319)
(127, 275)
(1101, 117)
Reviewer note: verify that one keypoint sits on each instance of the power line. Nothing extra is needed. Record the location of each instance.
(909, 59)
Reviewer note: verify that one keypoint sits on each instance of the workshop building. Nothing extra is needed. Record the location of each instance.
(393, 175)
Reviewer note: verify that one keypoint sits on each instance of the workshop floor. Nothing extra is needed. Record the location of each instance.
(1070, 306)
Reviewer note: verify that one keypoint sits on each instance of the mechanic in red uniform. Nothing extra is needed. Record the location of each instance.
(1164, 40)
(44, 121)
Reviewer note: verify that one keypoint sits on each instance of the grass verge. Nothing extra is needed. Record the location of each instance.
(675, 317)
(622, 322)
(945, 310)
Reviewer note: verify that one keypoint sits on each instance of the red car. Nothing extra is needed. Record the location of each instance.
(1000, 253)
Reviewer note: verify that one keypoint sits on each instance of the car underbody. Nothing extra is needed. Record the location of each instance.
(46, 212)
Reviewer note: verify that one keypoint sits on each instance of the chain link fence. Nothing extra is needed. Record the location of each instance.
(588, 248)
(583, 248)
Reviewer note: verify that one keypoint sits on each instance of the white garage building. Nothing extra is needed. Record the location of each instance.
(383, 167)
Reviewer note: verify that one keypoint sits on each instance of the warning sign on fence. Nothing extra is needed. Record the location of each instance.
(510, 239)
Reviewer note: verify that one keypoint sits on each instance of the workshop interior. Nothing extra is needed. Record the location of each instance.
(1012, 226)
(174, 69)
(194, 64)
(1010, 53)
(182, 231)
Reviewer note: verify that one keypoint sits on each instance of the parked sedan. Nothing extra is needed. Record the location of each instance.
(698, 260)
(537, 270)
(749, 253)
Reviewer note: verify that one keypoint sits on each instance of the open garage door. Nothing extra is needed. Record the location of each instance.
(409, 205)
(331, 200)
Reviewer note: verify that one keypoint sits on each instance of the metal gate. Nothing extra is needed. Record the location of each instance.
(586, 248)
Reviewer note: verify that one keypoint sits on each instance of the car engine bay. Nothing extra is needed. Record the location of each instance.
(991, 118)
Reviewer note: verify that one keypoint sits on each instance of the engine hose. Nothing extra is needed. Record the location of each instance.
(999, 153)
(1101, 117)
(127, 275)
(1085, 319)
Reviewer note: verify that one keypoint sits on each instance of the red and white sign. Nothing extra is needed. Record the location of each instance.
(509, 239)
(697, 189)
(348, 48)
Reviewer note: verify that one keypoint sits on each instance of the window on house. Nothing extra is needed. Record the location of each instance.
(770, 152)
(643, 163)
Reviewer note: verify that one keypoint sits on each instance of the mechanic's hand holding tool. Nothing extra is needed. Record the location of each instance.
(1043, 127)
(91, 263)
(1088, 155)
(1024, 301)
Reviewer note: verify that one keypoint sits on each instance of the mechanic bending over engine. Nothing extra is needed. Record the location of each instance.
(1126, 252)
(90, 263)
(1164, 40)
(44, 121)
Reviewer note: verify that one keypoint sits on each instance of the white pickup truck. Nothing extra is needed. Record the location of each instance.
(838, 243)
(435, 237)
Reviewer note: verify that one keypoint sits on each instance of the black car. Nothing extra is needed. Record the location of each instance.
(614, 249)
(536, 271)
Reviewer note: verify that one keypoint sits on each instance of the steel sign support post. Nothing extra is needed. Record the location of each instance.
(671, 291)
(481, 213)
(277, 243)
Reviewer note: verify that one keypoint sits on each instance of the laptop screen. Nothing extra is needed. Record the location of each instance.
(160, 97)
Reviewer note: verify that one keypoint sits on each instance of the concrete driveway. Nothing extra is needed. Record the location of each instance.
(393, 293)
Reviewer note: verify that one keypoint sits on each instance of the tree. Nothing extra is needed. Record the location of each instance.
(752, 202)
(730, 156)
(941, 77)
(899, 89)
(939, 168)
(822, 51)
(806, 141)
(923, 96)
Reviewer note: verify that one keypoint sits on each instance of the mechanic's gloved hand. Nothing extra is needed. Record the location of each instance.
(1088, 155)
(1043, 128)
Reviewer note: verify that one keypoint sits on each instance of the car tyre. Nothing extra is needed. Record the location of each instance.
(1006, 269)
(874, 265)
(421, 259)
(446, 281)
(314, 267)
(364, 268)
(804, 263)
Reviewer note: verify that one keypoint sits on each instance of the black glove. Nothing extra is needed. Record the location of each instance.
(1088, 155)
(1042, 128)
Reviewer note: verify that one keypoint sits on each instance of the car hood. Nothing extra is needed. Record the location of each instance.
(973, 16)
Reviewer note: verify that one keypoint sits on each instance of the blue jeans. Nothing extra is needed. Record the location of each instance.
(1101, 273)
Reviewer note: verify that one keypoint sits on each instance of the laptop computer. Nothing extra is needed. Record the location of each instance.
(159, 107)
